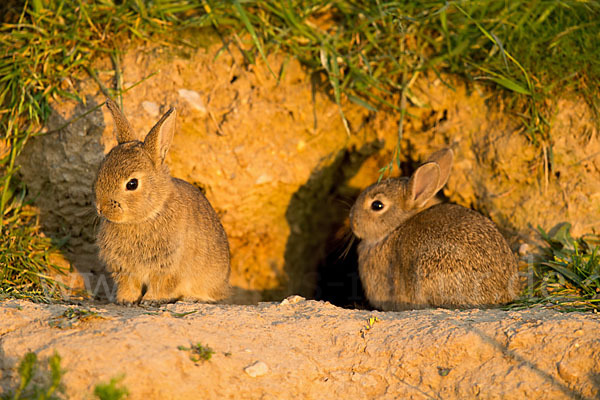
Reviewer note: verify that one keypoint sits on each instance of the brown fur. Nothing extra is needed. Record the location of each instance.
(162, 241)
(414, 254)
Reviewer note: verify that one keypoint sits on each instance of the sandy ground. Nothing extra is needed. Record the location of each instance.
(309, 350)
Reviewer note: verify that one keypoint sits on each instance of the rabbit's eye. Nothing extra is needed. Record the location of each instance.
(132, 184)
(376, 205)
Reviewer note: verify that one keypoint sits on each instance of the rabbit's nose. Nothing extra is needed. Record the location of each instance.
(107, 206)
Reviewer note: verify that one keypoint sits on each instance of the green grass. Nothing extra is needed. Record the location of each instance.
(73, 317)
(28, 368)
(566, 274)
(51, 386)
(25, 263)
(198, 352)
(370, 53)
(111, 390)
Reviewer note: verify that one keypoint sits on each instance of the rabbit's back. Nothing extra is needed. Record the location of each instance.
(204, 231)
(444, 256)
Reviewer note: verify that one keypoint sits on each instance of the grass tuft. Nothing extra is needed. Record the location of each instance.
(198, 352)
(26, 268)
(111, 390)
(73, 317)
(51, 387)
(566, 275)
(28, 368)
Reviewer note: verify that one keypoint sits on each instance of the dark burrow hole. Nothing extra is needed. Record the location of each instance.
(316, 261)
(338, 281)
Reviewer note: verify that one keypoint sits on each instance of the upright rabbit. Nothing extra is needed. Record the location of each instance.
(415, 253)
(159, 236)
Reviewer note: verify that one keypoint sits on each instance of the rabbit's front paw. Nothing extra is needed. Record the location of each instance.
(129, 291)
(128, 294)
(126, 303)
(153, 302)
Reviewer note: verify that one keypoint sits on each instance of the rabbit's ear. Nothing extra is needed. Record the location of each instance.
(159, 138)
(444, 159)
(124, 130)
(423, 184)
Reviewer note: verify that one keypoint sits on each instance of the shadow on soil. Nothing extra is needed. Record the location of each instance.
(545, 375)
(59, 169)
(317, 215)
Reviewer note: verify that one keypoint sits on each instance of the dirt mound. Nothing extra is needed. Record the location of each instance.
(309, 350)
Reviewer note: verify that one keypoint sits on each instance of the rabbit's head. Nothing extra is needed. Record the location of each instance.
(383, 206)
(133, 181)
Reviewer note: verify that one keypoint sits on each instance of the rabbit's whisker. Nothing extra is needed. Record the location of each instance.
(348, 247)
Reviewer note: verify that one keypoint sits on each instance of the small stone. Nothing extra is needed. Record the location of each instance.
(259, 368)
(292, 300)
(524, 249)
(193, 98)
(264, 178)
(151, 108)
(301, 145)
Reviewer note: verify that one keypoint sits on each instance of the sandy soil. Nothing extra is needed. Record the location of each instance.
(309, 350)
